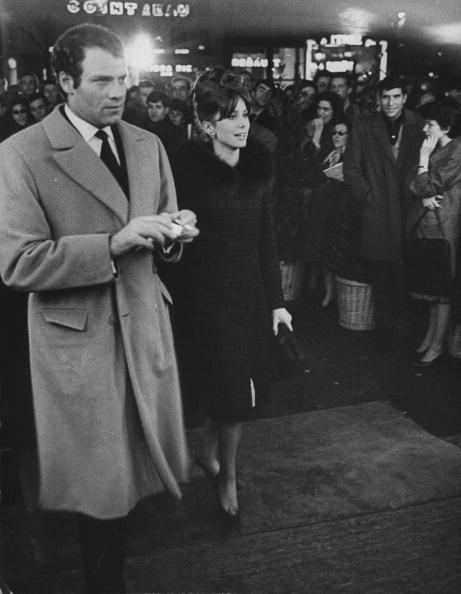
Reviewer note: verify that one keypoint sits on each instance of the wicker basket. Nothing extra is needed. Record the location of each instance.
(355, 305)
(292, 279)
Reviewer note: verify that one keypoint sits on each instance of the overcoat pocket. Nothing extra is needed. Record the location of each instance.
(74, 318)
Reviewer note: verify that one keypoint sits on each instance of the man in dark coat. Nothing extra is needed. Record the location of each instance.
(381, 155)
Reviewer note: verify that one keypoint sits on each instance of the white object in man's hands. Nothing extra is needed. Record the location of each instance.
(177, 229)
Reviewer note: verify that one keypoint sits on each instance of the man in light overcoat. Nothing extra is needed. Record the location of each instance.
(78, 231)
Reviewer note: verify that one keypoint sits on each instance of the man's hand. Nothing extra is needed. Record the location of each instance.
(143, 232)
(188, 222)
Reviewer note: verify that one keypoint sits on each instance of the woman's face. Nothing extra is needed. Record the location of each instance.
(19, 113)
(433, 130)
(232, 132)
(324, 111)
(340, 135)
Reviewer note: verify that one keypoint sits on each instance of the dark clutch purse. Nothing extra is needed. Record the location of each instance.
(288, 356)
(428, 263)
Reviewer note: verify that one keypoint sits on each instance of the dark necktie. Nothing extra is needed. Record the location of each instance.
(108, 156)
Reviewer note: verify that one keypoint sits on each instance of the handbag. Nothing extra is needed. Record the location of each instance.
(288, 355)
(427, 263)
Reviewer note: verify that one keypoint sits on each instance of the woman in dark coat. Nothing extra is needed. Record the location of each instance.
(437, 189)
(322, 225)
(229, 300)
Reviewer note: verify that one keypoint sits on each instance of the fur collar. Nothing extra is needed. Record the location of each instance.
(254, 167)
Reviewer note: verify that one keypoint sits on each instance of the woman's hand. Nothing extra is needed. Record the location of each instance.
(317, 126)
(281, 316)
(429, 144)
(433, 202)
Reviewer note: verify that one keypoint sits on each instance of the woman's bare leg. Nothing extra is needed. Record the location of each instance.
(208, 454)
(329, 286)
(229, 439)
(430, 330)
(439, 337)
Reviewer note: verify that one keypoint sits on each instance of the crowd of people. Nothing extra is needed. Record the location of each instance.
(119, 197)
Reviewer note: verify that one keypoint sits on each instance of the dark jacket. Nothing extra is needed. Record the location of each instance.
(172, 136)
(229, 279)
(381, 183)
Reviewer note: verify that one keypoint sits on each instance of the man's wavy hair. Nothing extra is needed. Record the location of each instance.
(70, 48)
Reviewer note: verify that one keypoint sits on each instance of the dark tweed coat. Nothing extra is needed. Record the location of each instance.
(229, 280)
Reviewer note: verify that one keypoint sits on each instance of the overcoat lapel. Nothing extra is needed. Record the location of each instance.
(410, 129)
(378, 129)
(139, 169)
(74, 156)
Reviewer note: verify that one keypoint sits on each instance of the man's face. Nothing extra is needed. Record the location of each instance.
(176, 117)
(144, 92)
(51, 93)
(322, 84)
(339, 86)
(180, 90)
(263, 95)
(38, 109)
(99, 99)
(27, 85)
(156, 111)
(306, 97)
(392, 102)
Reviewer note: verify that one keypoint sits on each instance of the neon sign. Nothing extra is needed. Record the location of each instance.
(128, 8)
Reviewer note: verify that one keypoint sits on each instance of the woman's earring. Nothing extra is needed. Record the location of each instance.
(209, 131)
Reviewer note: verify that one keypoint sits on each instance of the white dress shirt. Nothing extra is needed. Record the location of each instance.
(88, 132)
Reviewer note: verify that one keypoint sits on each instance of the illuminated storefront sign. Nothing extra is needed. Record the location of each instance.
(170, 69)
(346, 54)
(127, 8)
(253, 62)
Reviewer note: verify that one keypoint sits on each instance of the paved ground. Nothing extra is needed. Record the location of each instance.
(342, 368)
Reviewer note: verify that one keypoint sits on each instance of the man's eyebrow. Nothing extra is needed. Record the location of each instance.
(106, 76)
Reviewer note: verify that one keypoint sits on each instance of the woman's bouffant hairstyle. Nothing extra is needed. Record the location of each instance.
(446, 113)
(215, 96)
(214, 102)
(69, 50)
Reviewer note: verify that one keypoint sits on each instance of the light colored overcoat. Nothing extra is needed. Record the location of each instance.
(105, 383)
